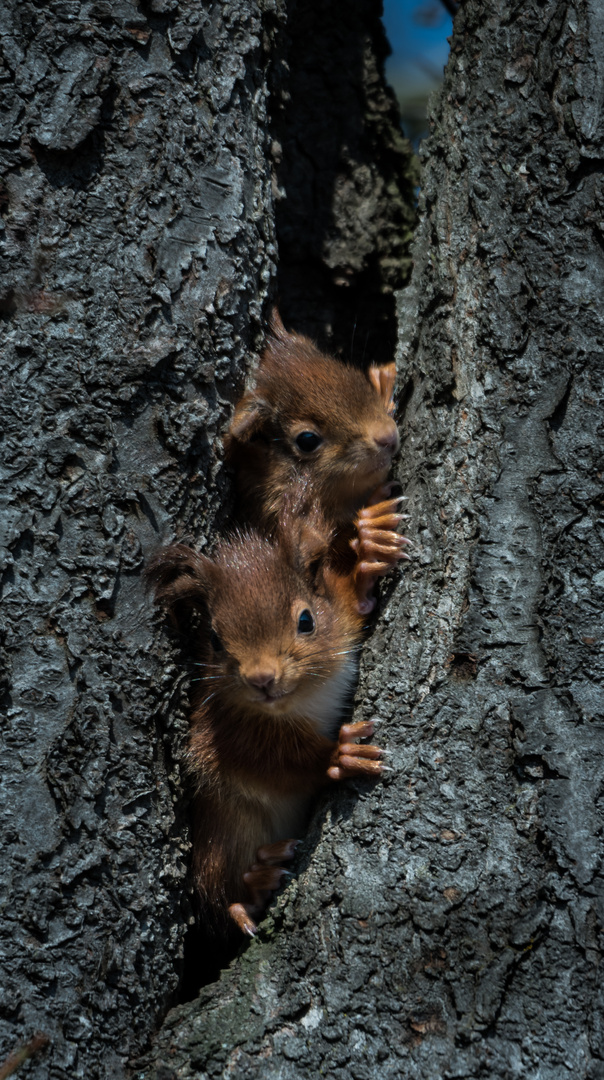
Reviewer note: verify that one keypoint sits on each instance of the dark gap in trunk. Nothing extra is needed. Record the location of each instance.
(344, 227)
(344, 210)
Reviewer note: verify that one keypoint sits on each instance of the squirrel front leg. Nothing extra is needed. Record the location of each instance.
(261, 880)
(346, 759)
(378, 546)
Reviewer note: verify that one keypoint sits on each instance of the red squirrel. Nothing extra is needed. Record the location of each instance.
(313, 422)
(314, 417)
(277, 656)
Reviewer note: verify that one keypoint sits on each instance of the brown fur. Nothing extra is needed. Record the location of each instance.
(299, 388)
(257, 764)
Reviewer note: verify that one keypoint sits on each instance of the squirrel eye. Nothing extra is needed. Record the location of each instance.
(307, 441)
(306, 623)
(215, 642)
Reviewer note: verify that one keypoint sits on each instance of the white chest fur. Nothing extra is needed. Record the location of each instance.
(325, 705)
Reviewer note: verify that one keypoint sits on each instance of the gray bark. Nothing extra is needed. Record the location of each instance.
(448, 922)
(139, 249)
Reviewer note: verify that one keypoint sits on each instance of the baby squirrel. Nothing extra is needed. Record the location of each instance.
(316, 425)
(277, 655)
(315, 418)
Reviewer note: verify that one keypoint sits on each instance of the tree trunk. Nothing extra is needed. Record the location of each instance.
(447, 922)
(139, 250)
(139, 246)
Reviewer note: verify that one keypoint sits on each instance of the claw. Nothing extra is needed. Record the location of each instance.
(264, 878)
(373, 536)
(387, 519)
(358, 729)
(384, 491)
(243, 919)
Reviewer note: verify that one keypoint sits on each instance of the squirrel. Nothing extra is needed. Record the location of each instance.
(314, 417)
(277, 653)
(316, 424)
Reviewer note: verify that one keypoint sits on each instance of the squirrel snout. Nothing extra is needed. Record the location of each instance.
(386, 437)
(263, 678)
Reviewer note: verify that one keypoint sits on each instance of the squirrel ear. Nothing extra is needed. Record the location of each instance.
(383, 380)
(249, 416)
(181, 579)
(276, 327)
(313, 546)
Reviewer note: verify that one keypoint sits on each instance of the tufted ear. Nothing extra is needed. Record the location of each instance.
(313, 547)
(251, 413)
(307, 540)
(276, 327)
(383, 380)
(181, 580)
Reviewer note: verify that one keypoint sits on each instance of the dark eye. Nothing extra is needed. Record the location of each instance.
(307, 441)
(215, 642)
(306, 623)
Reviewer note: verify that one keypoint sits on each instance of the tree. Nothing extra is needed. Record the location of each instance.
(447, 923)
(444, 923)
(139, 164)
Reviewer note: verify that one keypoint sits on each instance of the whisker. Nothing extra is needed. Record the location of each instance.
(205, 701)
(329, 654)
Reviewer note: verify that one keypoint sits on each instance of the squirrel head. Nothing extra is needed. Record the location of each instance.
(310, 415)
(273, 627)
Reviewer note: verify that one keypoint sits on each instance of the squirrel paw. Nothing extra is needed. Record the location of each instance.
(350, 759)
(273, 854)
(243, 919)
(262, 879)
(266, 874)
(378, 546)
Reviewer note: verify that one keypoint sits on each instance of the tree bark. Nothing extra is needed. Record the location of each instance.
(139, 248)
(139, 251)
(448, 922)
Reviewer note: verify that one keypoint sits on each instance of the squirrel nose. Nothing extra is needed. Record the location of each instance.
(263, 678)
(387, 437)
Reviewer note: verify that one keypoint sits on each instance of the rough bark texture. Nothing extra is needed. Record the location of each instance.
(138, 250)
(448, 922)
(138, 247)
